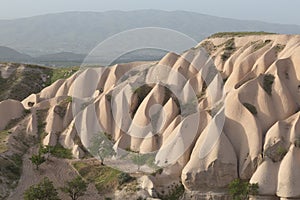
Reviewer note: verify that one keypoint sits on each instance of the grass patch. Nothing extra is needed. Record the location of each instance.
(62, 73)
(3, 140)
(61, 152)
(267, 83)
(106, 179)
(251, 108)
(238, 34)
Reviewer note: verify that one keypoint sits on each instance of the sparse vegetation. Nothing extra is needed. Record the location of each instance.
(268, 81)
(260, 44)
(175, 194)
(75, 188)
(240, 190)
(209, 47)
(3, 140)
(238, 34)
(124, 178)
(281, 151)
(37, 160)
(229, 49)
(22, 82)
(101, 146)
(31, 79)
(11, 168)
(42, 191)
(251, 108)
(62, 73)
(143, 159)
(104, 178)
(41, 118)
(276, 152)
(279, 48)
(59, 151)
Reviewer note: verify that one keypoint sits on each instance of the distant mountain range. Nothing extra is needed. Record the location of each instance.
(79, 32)
(57, 59)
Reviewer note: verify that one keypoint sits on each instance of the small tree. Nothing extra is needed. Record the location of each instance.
(101, 147)
(42, 191)
(75, 188)
(37, 160)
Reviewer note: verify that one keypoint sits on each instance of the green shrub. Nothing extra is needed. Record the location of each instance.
(240, 190)
(251, 108)
(268, 82)
(61, 152)
(124, 178)
(281, 151)
(75, 188)
(44, 190)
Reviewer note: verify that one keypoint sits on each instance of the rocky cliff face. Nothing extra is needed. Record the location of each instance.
(226, 109)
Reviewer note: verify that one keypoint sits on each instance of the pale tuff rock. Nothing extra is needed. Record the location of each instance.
(249, 103)
(9, 110)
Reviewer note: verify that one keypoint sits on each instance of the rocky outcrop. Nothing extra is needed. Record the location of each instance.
(207, 121)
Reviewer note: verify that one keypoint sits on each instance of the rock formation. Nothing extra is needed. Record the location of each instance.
(226, 109)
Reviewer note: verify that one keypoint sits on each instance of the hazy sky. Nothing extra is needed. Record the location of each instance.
(280, 11)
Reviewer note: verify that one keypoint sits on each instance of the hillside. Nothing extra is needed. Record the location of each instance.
(11, 55)
(18, 81)
(54, 33)
(187, 125)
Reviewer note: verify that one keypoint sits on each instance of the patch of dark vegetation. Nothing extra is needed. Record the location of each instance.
(176, 193)
(238, 34)
(229, 49)
(276, 152)
(251, 108)
(240, 190)
(41, 119)
(124, 178)
(10, 171)
(58, 151)
(209, 47)
(260, 44)
(268, 81)
(279, 48)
